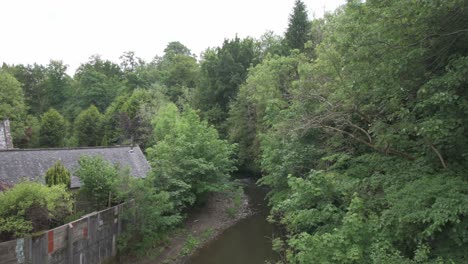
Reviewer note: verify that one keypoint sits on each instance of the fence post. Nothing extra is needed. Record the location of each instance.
(70, 243)
(119, 221)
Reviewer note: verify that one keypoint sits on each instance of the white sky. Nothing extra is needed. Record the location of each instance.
(73, 30)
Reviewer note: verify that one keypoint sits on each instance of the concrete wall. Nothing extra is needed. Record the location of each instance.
(89, 240)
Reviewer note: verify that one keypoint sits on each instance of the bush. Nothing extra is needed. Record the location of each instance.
(58, 174)
(152, 215)
(98, 180)
(32, 207)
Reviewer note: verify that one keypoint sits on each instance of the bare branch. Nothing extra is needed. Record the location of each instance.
(442, 161)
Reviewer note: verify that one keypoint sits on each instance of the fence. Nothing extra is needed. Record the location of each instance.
(89, 240)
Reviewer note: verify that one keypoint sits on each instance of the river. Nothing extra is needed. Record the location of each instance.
(246, 242)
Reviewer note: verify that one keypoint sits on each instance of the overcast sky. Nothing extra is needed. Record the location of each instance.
(73, 30)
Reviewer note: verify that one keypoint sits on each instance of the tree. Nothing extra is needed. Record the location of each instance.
(99, 178)
(132, 67)
(58, 84)
(270, 43)
(57, 175)
(178, 69)
(189, 159)
(32, 133)
(176, 48)
(366, 160)
(12, 104)
(153, 215)
(269, 86)
(33, 82)
(223, 70)
(53, 129)
(127, 119)
(88, 127)
(298, 27)
(99, 82)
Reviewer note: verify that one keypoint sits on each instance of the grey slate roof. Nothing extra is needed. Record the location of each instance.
(17, 165)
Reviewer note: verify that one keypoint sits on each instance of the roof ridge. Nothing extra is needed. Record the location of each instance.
(70, 148)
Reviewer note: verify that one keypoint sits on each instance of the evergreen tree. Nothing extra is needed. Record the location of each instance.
(53, 127)
(88, 127)
(58, 174)
(298, 27)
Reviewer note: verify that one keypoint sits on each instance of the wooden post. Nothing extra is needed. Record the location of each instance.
(70, 243)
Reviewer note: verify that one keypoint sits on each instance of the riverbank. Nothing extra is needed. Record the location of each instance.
(221, 211)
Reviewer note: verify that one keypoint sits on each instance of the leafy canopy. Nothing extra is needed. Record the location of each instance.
(32, 207)
(189, 160)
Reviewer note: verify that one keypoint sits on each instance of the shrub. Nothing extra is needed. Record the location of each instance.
(58, 174)
(31, 207)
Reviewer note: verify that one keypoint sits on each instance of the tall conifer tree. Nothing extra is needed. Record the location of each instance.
(298, 27)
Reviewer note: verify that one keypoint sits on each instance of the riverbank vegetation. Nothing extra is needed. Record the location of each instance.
(355, 121)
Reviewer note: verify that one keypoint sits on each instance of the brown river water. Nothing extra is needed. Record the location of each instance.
(246, 242)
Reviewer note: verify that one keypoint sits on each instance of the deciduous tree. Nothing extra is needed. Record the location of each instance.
(12, 104)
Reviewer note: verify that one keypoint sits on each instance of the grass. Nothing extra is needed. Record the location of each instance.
(237, 202)
(193, 242)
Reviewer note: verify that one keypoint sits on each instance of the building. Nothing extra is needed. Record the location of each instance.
(17, 165)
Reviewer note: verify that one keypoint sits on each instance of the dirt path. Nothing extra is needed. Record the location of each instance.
(203, 225)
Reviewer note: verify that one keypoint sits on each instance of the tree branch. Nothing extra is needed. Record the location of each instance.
(442, 161)
(388, 150)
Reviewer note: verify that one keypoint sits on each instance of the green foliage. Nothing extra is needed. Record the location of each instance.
(237, 195)
(272, 44)
(98, 83)
(128, 118)
(151, 213)
(32, 207)
(298, 28)
(43, 86)
(53, 129)
(99, 180)
(193, 242)
(223, 70)
(190, 245)
(178, 69)
(267, 87)
(363, 147)
(88, 127)
(58, 175)
(58, 84)
(32, 79)
(356, 121)
(189, 160)
(12, 104)
(32, 133)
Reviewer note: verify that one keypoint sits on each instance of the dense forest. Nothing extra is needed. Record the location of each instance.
(355, 122)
